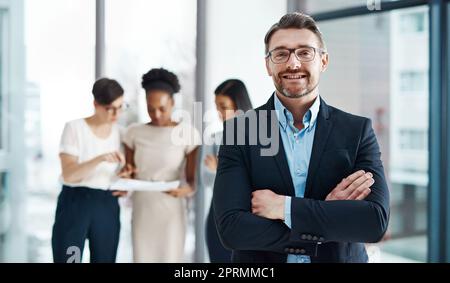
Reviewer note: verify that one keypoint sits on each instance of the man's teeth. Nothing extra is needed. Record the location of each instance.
(294, 77)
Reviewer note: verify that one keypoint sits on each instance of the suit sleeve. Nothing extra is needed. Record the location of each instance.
(238, 228)
(363, 221)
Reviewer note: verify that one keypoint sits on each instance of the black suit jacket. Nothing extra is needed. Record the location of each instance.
(327, 231)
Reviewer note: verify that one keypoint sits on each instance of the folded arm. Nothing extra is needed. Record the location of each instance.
(348, 220)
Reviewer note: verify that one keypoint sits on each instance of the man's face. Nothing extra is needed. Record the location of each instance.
(294, 78)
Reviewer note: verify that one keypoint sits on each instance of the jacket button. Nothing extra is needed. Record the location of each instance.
(286, 250)
(297, 251)
(291, 250)
(302, 251)
(309, 237)
(303, 237)
(315, 238)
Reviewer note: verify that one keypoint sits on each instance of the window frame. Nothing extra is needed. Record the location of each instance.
(438, 230)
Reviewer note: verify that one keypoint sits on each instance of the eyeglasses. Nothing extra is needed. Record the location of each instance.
(113, 110)
(303, 54)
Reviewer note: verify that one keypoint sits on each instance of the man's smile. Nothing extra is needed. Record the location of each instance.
(294, 76)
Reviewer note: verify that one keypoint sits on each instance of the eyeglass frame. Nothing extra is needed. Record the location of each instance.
(113, 110)
(292, 50)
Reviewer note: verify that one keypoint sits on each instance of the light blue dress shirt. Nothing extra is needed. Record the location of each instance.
(298, 147)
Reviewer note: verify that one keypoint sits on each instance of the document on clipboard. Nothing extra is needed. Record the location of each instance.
(140, 185)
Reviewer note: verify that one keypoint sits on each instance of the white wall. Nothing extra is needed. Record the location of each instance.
(235, 45)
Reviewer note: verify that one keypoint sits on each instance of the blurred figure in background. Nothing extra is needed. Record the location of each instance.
(159, 218)
(231, 96)
(90, 159)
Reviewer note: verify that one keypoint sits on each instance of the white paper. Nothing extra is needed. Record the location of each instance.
(139, 185)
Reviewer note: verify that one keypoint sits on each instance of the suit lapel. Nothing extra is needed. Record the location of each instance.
(280, 157)
(323, 128)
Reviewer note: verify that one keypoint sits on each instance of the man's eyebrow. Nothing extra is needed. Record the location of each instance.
(298, 46)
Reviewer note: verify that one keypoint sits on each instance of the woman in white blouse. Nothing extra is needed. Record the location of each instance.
(90, 161)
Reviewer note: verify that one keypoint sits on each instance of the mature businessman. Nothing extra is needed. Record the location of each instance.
(323, 193)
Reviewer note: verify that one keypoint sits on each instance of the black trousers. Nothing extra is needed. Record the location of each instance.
(84, 213)
(217, 252)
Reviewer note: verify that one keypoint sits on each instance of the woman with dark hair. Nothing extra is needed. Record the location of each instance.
(90, 159)
(158, 152)
(230, 96)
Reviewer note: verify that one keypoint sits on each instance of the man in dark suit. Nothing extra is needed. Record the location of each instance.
(317, 191)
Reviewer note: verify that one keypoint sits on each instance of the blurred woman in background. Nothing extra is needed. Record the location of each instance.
(90, 160)
(230, 97)
(159, 218)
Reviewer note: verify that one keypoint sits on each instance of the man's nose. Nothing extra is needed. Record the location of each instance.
(293, 63)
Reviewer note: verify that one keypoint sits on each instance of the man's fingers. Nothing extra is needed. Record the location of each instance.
(350, 179)
(364, 194)
(357, 184)
(360, 181)
(361, 189)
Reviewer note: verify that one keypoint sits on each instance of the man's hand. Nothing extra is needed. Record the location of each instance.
(268, 204)
(354, 187)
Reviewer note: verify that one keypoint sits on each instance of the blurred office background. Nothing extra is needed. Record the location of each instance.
(388, 61)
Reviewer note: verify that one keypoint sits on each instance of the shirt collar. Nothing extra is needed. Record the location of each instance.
(286, 118)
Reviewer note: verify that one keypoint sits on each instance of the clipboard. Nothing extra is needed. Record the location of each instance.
(139, 185)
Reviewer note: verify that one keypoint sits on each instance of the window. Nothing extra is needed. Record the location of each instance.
(164, 39)
(412, 22)
(3, 86)
(60, 61)
(146, 34)
(321, 6)
(4, 201)
(371, 70)
(413, 81)
(413, 139)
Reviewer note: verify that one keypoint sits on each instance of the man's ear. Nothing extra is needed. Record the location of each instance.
(269, 71)
(324, 62)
